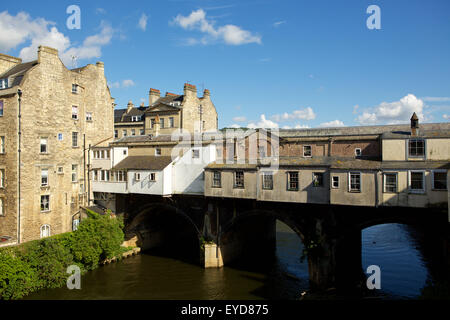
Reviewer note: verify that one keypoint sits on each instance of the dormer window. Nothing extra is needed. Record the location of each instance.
(135, 118)
(74, 88)
(3, 83)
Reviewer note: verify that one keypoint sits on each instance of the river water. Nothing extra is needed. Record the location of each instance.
(393, 247)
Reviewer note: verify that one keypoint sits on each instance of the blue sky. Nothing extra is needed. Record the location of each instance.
(267, 63)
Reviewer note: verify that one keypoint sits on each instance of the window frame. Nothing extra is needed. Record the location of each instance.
(2, 144)
(152, 177)
(195, 154)
(47, 183)
(116, 134)
(137, 176)
(289, 173)
(338, 182)
(417, 191)
(385, 174)
(433, 180)
(47, 208)
(350, 189)
(74, 172)
(356, 152)
(408, 148)
(158, 152)
(171, 122)
(75, 135)
(322, 174)
(75, 88)
(235, 179)
(214, 179)
(2, 107)
(2, 207)
(304, 151)
(46, 145)
(264, 181)
(45, 227)
(2, 178)
(89, 117)
(75, 112)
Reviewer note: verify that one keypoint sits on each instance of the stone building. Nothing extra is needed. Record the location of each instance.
(129, 121)
(44, 142)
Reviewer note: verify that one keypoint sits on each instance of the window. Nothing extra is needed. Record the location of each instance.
(116, 134)
(137, 176)
(45, 231)
(354, 182)
(44, 145)
(75, 112)
(44, 177)
(1, 108)
(60, 137)
(390, 182)
(307, 151)
(88, 116)
(358, 152)
(45, 203)
(335, 182)
(2, 178)
(135, 118)
(416, 148)
(3, 83)
(124, 133)
(161, 121)
(74, 88)
(75, 139)
(133, 132)
(439, 180)
(124, 152)
(239, 179)
(60, 170)
(195, 154)
(157, 151)
(261, 152)
(217, 179)
(153, 121)
(318, 179)
(171, 122)
(108, 154)
(74, 173)
(102, 154)
(267, 180)
(2, 207)
(152, 176)
(417, 181)
(2, 144)
(292, 181)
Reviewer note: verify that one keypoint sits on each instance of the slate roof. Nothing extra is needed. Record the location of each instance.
(121, 115)
(143, 163)
(17, 72)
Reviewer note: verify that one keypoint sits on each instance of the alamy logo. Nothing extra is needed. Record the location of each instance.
(74, 280)
(74, 20)
(374, 280)
(374, 21)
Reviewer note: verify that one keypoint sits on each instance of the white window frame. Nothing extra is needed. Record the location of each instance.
(158, 152)
(43, 139)
(4, 83)
(2, 178)
(356, 152)
(162, 123)
(195, 154)
(432, 180)
(75, 112)
(152, 177)
(419, 191)
(46, 184)
(264, 185)
(137, 176)
(214, 180)
(45, 231)
(424, 148)
(74, 173)
(350, 181)
(74, 88)
(2, 207)
(2, 144)
(89, 116)
(171, 122)
(384, 181)
(48, 203)
(289, 181)
(75, 134)
(239, 186)
(60, 170)
(305, 156)
(338, 182)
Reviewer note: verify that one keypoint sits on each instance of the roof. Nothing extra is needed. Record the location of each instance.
(121, 115)
(443, 133)
(17, 72)
(167, 100)
(143, 163)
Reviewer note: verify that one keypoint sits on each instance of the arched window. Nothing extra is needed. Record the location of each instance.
(45, 231)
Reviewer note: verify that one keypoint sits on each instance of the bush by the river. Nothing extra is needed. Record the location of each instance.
(43, 263)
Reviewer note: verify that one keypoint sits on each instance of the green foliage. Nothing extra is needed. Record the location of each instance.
(42, 264)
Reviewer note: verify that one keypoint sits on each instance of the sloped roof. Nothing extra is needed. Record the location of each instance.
(17, 72)
(143, 163)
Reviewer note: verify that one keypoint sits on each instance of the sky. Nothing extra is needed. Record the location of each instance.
(267, 63)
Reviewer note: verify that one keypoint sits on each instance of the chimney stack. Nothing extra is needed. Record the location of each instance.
(7, 62)
(154, 95)
(46, 54)
(130, 106)
(206, 93)
(414, 125)
(190, 90)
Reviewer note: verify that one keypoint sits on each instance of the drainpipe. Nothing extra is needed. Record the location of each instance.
(19, 92)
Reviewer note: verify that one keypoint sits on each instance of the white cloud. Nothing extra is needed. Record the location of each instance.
(239, 119)
(393, 112)
(436, 99)
(262, 123)
(446, 116)
(355, 109)
(332, 124)
(100, 11)
(230, 34)
(301, 114)
(124, 84)
(143, 22)
(278, 23)
(22, 29)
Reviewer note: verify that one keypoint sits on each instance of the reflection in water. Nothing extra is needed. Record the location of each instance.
(392, 247)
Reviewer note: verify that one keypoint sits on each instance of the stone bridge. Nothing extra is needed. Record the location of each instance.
(216, 232)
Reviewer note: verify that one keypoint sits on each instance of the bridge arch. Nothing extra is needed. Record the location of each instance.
(166, 230)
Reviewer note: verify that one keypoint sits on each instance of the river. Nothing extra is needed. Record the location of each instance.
(393, 247)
